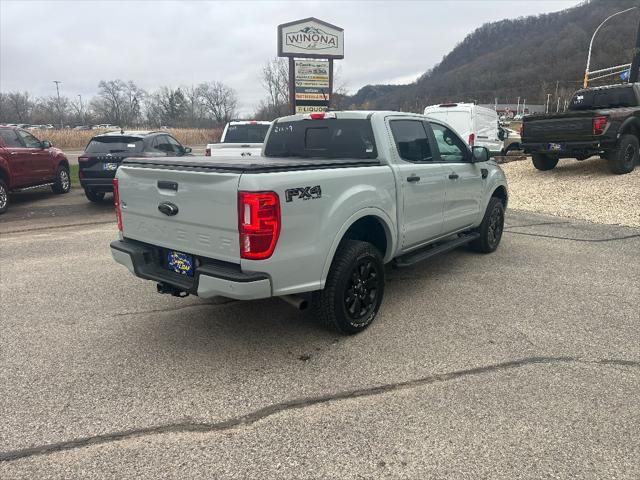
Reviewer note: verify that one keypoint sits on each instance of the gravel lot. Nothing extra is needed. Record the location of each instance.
(584, 190)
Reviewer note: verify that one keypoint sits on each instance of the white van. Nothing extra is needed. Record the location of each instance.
(477, 125)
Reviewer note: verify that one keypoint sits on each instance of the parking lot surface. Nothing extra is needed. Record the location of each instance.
(520, 364)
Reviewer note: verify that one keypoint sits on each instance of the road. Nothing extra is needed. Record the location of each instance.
(520, 364)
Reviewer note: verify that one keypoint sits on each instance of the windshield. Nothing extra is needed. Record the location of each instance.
(115, 145)
(606, 98)
(328, 138)
(247, 133)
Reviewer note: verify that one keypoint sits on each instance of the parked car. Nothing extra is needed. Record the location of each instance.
(334, 197)
(477, 125)
(104, 154)
(26, 162)
(602, 121)
(511, 140)
(240, 139)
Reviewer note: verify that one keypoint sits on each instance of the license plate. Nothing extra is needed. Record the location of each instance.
(110, 166)
(554, 146)
(181, 263)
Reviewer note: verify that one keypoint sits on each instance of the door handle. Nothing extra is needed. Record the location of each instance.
(14, 153)
(453, 176)
(413, 178)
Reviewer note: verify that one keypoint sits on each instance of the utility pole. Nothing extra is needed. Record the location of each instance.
(495, 107)
(524, 103)
(518, 106)
(81, 114)
(635, 63)
(546, 110)
(58, 82)
(558, 105)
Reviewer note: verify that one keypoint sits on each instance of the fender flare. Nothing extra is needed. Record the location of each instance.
(387, 224)
(628, 124)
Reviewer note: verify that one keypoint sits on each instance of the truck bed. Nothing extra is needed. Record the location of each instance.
(253, 165)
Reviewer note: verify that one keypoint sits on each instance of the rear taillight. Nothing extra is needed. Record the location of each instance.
(522, 130)
(472, 138)
(207, 152)
(116, 203)
(599, 124)
(258, 224)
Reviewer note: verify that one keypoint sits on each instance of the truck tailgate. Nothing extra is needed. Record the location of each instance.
(235, 149)
(565, 127)
(206, 222)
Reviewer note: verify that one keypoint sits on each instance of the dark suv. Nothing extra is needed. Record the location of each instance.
(104, 153)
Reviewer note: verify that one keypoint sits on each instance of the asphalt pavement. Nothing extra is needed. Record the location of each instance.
(520, 364)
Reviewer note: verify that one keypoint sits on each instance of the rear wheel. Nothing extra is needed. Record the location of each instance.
(4, 197)
(354, 289)
(94, 196)
(544, 162)
(624, 158)
(62, 183)
(491, 228)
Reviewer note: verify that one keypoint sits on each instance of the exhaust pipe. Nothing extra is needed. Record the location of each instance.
(296, 301)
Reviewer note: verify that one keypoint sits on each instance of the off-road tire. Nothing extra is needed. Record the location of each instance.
(332, 306)
(624, 158)
(4, 197)
(62, 182)
(93, 196)
(491, 228)
(544, 162)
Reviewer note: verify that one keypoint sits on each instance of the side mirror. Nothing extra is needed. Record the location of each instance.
(187, 149)
(45, 144)
(480, 154)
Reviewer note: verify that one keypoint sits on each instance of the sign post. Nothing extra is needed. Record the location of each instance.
(311, 46)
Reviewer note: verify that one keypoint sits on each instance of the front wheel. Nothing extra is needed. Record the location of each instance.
(491, 228)
(624, 158)
(93, 196)
(544, 162)
(354, 289)
(4, 197)
(62, 182)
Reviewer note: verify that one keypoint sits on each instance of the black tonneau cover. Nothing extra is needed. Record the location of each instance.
(253, 164)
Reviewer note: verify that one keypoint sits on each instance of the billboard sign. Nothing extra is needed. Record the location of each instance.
(310, 38)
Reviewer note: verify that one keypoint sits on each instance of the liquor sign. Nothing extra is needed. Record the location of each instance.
(305, 42)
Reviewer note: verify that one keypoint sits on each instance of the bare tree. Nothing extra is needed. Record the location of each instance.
(19, 106)
(219, 100)
(119, 102)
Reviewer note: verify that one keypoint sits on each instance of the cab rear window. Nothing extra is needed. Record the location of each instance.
(115, 144)
(606, 98)
(248, 133)
(326, 138)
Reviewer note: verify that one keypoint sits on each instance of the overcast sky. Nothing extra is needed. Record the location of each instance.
(181, 43)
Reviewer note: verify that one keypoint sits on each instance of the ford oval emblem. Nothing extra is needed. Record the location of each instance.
(168, 208)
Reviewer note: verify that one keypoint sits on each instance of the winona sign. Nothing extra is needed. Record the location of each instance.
(310, 38)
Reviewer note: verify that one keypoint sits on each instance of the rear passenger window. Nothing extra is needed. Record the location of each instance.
(10, 139)
(411, 140)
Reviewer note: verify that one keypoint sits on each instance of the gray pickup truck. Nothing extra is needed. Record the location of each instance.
(334, 197)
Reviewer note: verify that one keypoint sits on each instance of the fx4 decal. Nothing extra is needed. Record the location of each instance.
(303, 193)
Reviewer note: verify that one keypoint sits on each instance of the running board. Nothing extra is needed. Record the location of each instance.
(433, 250)
(26, 189)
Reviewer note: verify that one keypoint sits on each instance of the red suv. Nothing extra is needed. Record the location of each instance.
(26, 162)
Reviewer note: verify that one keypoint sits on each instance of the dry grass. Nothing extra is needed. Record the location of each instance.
(584, 190)
(78, 139)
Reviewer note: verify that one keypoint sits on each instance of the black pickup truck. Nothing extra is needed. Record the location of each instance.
(602, 121)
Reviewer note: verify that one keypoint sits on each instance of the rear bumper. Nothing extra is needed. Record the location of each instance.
(209, 280)
(97, 184)
(568, 148)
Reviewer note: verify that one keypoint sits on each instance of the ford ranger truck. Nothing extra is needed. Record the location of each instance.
(240, 139)
(334, 197)
(602, 121)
